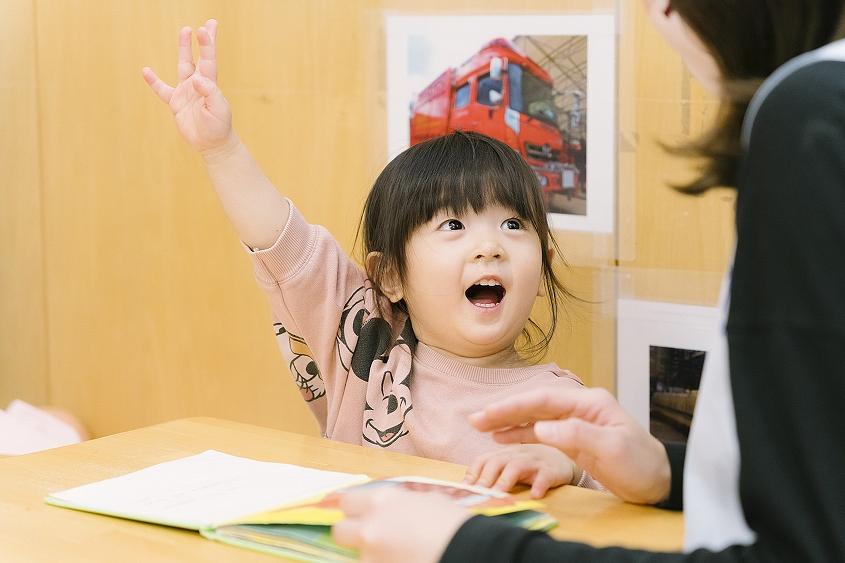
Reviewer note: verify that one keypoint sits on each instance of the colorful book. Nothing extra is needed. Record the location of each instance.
(276, 508)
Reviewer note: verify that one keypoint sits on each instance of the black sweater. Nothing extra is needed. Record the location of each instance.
(786, 343)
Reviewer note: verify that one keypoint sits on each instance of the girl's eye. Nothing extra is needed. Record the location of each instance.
(451, 225)
(512, 224)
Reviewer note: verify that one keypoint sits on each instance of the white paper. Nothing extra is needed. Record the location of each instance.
(203, 490)
(25, 429)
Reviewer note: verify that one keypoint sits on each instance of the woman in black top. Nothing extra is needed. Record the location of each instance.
(779, 69)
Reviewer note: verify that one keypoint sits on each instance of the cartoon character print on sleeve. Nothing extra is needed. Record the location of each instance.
(389, 403)
(301, 363)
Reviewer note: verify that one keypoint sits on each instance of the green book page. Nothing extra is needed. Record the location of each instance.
(304, 542)
(303, 531)
(314, 543)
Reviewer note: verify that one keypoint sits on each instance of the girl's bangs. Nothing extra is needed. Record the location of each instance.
(469, 174)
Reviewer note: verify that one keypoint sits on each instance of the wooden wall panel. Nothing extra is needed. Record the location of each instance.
(151, 307)
(23, 342)
(672, 247)
(154, 314)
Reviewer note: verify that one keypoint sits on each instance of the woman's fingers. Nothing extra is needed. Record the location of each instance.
(185, 64)
(208, 57)
(347, 532)
(394, 525)
(164, 91)
(356, 503)
(355, 506)
(594, 405)
(516, 435)
(567, 435)
(517, 410)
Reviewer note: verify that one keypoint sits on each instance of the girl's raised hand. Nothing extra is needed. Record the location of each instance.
(202, 113)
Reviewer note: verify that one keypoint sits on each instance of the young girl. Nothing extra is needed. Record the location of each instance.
(457, 249)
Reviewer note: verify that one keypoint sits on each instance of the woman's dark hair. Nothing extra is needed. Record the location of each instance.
(459, 172)
(749, 39)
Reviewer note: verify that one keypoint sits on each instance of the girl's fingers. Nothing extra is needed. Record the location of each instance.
(185, 66)
(474, 469)
(164, 91)
(542, 483)
(511, 475)
(208, 57)
(211, 26)
(490, 472)
(214, 100)
(204, 86)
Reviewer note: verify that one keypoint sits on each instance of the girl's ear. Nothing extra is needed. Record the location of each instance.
(386, 280)
(550, 253)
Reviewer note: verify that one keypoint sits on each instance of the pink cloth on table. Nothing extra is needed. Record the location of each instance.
(25, 429)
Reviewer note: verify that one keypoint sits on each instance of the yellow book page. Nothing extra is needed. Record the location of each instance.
(324, 509)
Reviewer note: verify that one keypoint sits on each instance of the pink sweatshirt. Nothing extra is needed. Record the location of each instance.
(367, 379)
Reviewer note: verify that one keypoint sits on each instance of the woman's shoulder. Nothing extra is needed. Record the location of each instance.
(809, 86)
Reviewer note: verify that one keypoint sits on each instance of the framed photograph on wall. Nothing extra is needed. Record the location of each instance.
(543, 84)
(661, 348)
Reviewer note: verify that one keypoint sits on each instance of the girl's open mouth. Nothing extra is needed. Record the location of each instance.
(486, 294)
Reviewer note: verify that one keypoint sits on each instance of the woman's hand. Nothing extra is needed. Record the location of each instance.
(590, 427)
(542, 467)
(202, 113)
(389, 525)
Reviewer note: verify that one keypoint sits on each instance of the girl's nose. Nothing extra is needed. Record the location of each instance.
(489, 250)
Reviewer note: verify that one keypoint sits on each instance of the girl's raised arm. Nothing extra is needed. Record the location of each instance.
(203, 117)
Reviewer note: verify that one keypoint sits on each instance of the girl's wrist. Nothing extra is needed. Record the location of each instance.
(223, 151)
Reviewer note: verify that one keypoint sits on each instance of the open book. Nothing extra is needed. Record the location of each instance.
(276, 508)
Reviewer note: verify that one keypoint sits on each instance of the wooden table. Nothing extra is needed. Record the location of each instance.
(33, 531)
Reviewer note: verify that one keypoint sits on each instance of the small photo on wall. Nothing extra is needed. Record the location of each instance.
(544, 85)
(674, 379)
(660, 353)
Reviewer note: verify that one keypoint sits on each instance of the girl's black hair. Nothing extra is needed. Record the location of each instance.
(460, 171)
(749, 39)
